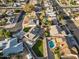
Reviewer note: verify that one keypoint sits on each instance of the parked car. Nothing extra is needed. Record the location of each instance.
(29, 56)
(16, 4)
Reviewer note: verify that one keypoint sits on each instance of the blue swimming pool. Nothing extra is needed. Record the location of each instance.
(51, 44)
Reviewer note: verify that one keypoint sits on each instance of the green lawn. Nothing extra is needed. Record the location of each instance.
(38, 48)
(26, 29)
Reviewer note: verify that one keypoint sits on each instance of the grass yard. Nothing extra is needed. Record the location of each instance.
(38, 48)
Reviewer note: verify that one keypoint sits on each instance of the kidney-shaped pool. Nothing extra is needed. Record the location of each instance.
(51, 44)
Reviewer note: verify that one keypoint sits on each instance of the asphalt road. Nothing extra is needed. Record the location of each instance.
(57, 7)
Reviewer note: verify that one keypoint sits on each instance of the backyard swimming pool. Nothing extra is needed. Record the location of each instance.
(51, 44)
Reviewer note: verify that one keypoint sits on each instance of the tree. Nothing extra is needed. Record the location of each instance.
(26, 29)
(42, 15)
(4, 33)
(28, 7)
(45, 21)
(1, 33)
(39, 1)
(7, 34)
(47, 34)
(3, 22)
(10, 0)
(57, 51)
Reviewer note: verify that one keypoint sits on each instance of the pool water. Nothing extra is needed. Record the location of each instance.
(51, 44)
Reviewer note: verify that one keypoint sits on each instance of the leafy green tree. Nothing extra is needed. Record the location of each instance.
(1, 33)
(7, 34)
(57, 51)
(28, 7)
(10, 0)
(4, 33)
(47, 34)
(46, 21)
(3, 22)
(26, 29)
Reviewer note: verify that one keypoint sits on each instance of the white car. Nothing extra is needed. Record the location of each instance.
(22, 0)
(16, 4)
(29, 56)
(9, 13)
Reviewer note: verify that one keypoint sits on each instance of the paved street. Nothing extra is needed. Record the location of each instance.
(57, 7)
